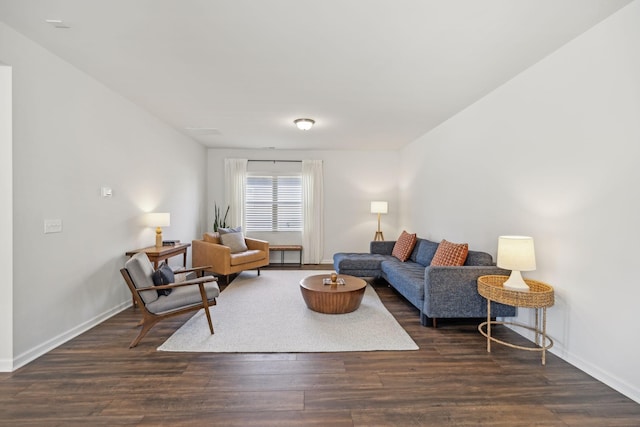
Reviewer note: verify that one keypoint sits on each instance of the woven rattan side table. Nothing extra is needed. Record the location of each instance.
(539, 296)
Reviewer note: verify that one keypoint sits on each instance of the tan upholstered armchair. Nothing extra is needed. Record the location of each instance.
(210, 251)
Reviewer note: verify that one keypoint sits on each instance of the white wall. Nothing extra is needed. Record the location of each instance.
(552, 154)
(352, 179)
(71, 136)
(6, 222)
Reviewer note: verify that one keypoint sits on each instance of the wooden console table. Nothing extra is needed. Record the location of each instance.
(286, 248)
(159, 254)
(540, 295)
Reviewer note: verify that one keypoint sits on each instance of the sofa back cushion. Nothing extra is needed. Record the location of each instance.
(424, 251)
(478, 258)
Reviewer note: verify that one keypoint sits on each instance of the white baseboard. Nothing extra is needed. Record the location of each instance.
(6, 365)
(34, 353)
(605, 377)
(618, 384)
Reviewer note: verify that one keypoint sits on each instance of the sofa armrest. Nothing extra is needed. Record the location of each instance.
(381, 247)
(453, 291)
(217, 256)
(255, 244)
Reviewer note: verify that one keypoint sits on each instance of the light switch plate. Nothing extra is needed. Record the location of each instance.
(52, 226)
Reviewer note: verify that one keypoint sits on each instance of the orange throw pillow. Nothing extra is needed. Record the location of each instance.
(404, 245)
(450, 254)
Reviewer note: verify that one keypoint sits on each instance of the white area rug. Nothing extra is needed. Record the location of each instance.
(266, 314)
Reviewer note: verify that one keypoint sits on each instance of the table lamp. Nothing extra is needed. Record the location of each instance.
(516, 253)
(379, 208)
(158, 220)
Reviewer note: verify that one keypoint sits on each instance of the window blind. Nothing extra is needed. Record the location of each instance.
(273, 203)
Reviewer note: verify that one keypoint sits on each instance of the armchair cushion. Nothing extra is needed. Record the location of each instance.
(163, 276)
(141, 271)
(233, 238)
(227, 230)
(182, 297)
(246, 256)
(235, 241)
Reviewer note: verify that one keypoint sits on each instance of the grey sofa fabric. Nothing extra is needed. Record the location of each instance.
(359, 265)
(453, 292)
(438, 292)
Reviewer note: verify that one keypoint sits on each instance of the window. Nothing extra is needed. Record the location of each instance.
(273, 202)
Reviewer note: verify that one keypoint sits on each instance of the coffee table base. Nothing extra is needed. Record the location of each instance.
(332, 302)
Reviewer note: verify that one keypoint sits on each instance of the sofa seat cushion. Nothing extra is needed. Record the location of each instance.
(359, 264)
(407, 278)
(181, 297)
(247, 257)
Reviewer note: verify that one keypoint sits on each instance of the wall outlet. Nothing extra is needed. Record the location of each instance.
(52, 226)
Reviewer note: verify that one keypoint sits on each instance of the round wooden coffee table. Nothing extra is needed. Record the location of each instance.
(342, 297)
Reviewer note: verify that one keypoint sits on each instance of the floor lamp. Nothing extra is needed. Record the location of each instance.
(379, 208)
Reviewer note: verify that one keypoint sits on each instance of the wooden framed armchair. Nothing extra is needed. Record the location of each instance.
(210, 251)
(185, 296)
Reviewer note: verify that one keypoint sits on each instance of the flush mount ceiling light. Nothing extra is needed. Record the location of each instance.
(304, 124)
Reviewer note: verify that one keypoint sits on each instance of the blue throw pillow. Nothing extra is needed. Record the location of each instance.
(163, 276)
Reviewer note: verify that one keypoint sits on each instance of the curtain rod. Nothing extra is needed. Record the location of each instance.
(279, 161)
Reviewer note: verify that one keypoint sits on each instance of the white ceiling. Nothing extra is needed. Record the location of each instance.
(374, 74)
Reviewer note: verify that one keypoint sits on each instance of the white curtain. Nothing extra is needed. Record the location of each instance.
(312, 211)
(235, 173)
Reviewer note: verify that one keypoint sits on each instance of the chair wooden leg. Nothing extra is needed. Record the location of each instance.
(203, 295)
(258, 272)
(147, 324)
(206, 310)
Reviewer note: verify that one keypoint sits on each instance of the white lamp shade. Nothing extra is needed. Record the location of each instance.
(158, 219)
(516, 253)
(379, 207)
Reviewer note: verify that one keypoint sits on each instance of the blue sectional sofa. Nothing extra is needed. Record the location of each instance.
(438, 292)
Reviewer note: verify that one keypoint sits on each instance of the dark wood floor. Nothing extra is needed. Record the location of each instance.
(96, 380)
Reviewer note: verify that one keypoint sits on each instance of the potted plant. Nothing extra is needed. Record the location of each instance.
(217, 220)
